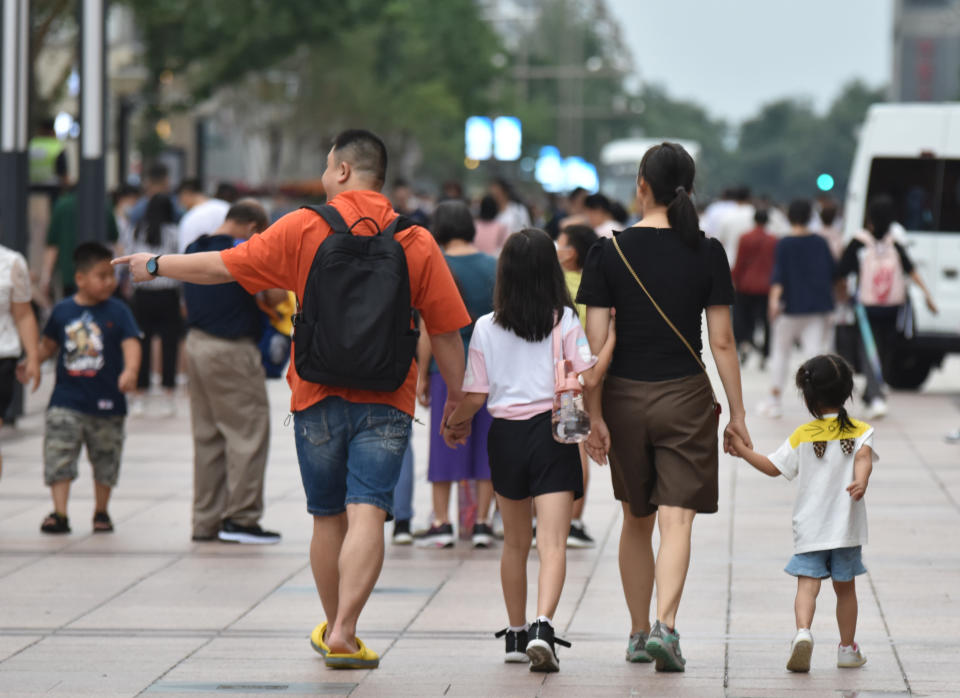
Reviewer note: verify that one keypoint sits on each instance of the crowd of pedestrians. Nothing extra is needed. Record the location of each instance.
(473, 312)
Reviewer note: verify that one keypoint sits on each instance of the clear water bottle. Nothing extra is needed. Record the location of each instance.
(571, 423)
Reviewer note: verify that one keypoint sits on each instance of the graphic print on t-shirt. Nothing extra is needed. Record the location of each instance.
(83, 346)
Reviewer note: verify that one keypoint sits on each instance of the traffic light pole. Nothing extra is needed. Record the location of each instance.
(91, 187)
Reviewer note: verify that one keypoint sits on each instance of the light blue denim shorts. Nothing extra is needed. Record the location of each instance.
(350, 453)
(842, 564)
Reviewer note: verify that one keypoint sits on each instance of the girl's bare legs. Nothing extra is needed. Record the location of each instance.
(553, 524)
(806, 602)
(846, 610)
(637, 567)
(517, 536)
(673, 559)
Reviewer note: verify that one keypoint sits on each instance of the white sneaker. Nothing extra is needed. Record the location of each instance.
(850, 657)
(800, 651)
(168, 407)
(877, 408)
(137, 407)
(770, 408)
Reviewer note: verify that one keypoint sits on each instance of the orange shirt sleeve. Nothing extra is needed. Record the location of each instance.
(436, 295)
(269, 259)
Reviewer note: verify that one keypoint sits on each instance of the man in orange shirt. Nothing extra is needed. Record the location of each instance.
(350, 442)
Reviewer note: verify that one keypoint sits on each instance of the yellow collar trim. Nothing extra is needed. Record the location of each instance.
(827, 430)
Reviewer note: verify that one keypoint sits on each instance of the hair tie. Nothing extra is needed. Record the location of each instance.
(680, 190)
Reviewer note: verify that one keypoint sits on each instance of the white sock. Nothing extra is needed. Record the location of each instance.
(852, 647)
(518, 628)
(544, 619)
(577, 523)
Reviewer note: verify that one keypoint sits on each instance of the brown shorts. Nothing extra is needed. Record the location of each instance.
(663, 443)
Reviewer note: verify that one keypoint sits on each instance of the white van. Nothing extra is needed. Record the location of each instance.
(911, 152)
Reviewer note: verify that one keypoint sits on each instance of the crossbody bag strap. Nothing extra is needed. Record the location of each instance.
(657, 307)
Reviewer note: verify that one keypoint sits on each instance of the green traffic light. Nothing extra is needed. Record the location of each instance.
(825, 182)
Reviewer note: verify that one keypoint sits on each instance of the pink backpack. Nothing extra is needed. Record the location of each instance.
(882, 281)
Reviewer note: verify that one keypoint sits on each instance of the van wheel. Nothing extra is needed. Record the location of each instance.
(908, 370)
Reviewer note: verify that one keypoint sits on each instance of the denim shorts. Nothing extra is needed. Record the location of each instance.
(843, 564)
(350, 453)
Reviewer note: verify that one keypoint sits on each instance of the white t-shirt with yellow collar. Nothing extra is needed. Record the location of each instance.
(825, 516)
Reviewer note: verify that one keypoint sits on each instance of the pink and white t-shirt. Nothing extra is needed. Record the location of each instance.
(517, 375)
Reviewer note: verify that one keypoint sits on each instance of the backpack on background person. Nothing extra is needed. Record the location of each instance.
(882, 281)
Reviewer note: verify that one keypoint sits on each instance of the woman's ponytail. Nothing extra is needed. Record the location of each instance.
(669, 170)
(683, 218)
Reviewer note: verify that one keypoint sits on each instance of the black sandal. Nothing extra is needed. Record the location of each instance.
(55, 523)
(102, 522)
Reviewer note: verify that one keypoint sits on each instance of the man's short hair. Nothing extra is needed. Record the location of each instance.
(597, 202)
(249, 211)
(157, 173)
(89, 254)
(190, 186)
(365, 152)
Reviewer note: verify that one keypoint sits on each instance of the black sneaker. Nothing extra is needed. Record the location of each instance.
(438, 536)
(401, 532)
(482, 535)
(235, 533)
(541, 647)
(578, 537)
(516, 646)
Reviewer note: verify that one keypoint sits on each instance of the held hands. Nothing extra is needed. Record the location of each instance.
(456, 434)
(127, 382)
(736, 438)
(598, 442)
(857, 489)
(28, 371)
(137, 264)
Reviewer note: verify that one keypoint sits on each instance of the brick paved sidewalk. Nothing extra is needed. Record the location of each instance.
(146, 611)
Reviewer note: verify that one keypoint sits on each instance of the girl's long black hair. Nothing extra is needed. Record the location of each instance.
(158, 214)
(669, 171)
(530, 292)
(826, 381)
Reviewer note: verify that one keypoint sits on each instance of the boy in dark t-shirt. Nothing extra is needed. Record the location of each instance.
(99, 355)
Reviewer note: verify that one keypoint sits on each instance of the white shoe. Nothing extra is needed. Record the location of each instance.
(137, 407)
(953, 437)
(168, 407)
(800, 651)
(850, 657)
(770, 408)
(877, 408)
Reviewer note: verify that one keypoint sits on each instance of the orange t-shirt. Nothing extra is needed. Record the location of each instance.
(281, 256)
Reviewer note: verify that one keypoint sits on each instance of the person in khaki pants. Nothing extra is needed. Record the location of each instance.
(229, 411)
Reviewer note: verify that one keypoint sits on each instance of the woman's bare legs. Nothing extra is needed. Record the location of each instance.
(673, 559)
(637, 567)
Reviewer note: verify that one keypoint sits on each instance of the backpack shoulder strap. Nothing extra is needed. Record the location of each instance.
(397, 225)
(332, 216)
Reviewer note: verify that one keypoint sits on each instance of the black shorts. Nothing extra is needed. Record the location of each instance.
(8, 373)
(525, 461)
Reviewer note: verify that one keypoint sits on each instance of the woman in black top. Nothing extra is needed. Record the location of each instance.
(657, 418)
(881, 314)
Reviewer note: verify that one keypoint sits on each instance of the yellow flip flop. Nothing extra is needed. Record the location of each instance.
(364, 658)
(316, 639)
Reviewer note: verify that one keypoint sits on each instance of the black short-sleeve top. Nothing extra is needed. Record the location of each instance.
(683, 279)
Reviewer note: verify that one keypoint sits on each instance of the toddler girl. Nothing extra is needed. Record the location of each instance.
(833, 456)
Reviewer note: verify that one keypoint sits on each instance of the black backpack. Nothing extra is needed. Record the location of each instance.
(353, 327)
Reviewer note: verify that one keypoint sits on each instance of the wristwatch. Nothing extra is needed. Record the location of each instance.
(152, 267)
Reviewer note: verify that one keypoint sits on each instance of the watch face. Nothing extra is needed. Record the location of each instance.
(152, 265)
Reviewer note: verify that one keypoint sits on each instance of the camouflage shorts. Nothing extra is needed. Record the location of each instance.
(67, 431)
